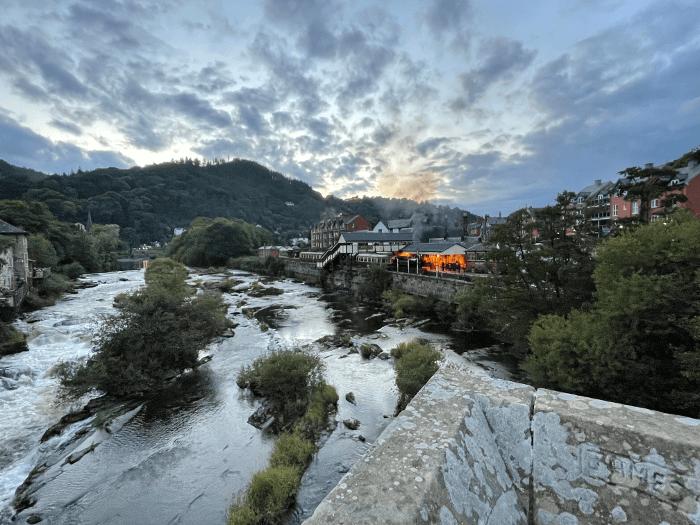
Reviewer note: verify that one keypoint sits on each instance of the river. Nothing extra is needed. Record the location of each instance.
(184, 457)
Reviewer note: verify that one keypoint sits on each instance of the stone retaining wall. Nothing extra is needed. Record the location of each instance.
(425, 286)
(471, 449)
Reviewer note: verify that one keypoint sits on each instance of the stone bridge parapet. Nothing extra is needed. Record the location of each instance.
(470, 449)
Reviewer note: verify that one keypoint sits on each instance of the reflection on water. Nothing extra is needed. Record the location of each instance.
(188, 453)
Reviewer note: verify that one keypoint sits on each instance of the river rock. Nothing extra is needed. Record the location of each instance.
(34, 518)
(350, 398)
(352, 424)
(77, 456)
(383, 356)
(13, 348)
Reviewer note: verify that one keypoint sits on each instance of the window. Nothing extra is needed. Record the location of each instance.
(624, 206)
(655, 203)
(635, 208)
(654, 218)
(614, 210)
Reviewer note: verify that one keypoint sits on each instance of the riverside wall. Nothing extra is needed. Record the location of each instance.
(349, 279)
(470, 449)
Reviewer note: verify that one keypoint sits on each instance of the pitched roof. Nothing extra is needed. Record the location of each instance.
(494, 221)
(480, 248)
(369, 236)
(6, 227)
(430, 247)
(399, 223)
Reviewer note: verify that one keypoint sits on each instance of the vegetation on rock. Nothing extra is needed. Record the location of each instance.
(156, 335)
(415, 365)
(291, 381)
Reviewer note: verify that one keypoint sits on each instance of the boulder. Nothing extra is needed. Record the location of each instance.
(350, 398)
(352, 424)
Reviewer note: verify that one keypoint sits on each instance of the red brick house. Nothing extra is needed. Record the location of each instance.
(325, 233)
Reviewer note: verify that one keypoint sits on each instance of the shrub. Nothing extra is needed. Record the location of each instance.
(375, 280)
(156, 334)
(286, 378)
(366, 350)
(73, 270)
(415, 365)
(291, 450)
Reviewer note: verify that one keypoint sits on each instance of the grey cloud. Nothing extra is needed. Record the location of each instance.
(448, 15)
(299, 12)
(142, 135)
(430, 145)
(264, 99)
(22, 50)
(504, 59)
(318, 41)
(366, 122)
(282, 120)
(252, 119)
(193, 106)
(66, 126)
(28, 89)
(383, 134)
(21, 146)
(380, 26)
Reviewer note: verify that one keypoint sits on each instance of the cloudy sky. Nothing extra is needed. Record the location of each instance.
(482, 104)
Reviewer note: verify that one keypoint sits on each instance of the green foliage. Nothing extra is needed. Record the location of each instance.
(291, 450)
(286, 378)
(9, 335)
(532, 276)
(682, 162)
(644, 324)
(42, 252)
(268, 497)
(157, 333)
(210, 242)
(366, 350)
(167, 277)
(375, 281)
(73, 270)
(400, 303)
(415, 365)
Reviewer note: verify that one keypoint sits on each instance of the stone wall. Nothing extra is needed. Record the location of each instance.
(427, 286)
(471, 449)
(349, 279)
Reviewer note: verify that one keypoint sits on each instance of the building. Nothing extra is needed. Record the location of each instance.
(325, 233)
(592, 204)
(684, 181)
(400, 225)
(350, 245)
(16, 270)
(380, 227)
(432, 256)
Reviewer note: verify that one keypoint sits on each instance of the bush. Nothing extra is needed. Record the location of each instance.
(366, 350)
(375, 281)
(268, 496)
(286, 378)
(415, 365)
(291, 450)
(73, 270)
(156, 334)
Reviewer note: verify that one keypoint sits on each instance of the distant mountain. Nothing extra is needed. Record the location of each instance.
(155, 199)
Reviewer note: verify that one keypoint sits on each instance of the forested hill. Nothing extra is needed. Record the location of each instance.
(153, 200)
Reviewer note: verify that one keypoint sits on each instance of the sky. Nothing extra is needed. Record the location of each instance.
(489, 106)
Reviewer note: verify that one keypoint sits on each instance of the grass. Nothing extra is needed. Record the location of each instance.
(281, 376)
(415, 365)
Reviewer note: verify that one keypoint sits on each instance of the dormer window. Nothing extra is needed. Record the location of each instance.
(674, 182)
(580, 200)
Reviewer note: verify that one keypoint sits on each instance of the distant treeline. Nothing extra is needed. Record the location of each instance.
(149, 202)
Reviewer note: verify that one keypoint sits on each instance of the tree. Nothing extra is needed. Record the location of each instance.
(157, 334)
(643, 325)
(542, 263)
(645, 185)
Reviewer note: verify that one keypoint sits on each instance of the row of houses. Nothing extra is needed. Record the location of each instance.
(603, 202)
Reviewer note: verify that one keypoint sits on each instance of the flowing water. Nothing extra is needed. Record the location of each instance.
(185, 456)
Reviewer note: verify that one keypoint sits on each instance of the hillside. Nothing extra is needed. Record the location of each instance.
(155, 199)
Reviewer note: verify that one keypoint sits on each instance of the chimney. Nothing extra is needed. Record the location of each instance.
(597, 182)
(499, 213)
(648, 165)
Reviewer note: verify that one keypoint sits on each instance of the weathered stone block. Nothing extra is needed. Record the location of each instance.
(601, 462)
(459, 453)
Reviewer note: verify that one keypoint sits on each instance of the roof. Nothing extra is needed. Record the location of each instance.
(6, 227)
(369, 236)
(445, 239)
(470, 241)
(348, 221)
(431, 247)
(494, 221)
(480, 248)
(399, 223)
